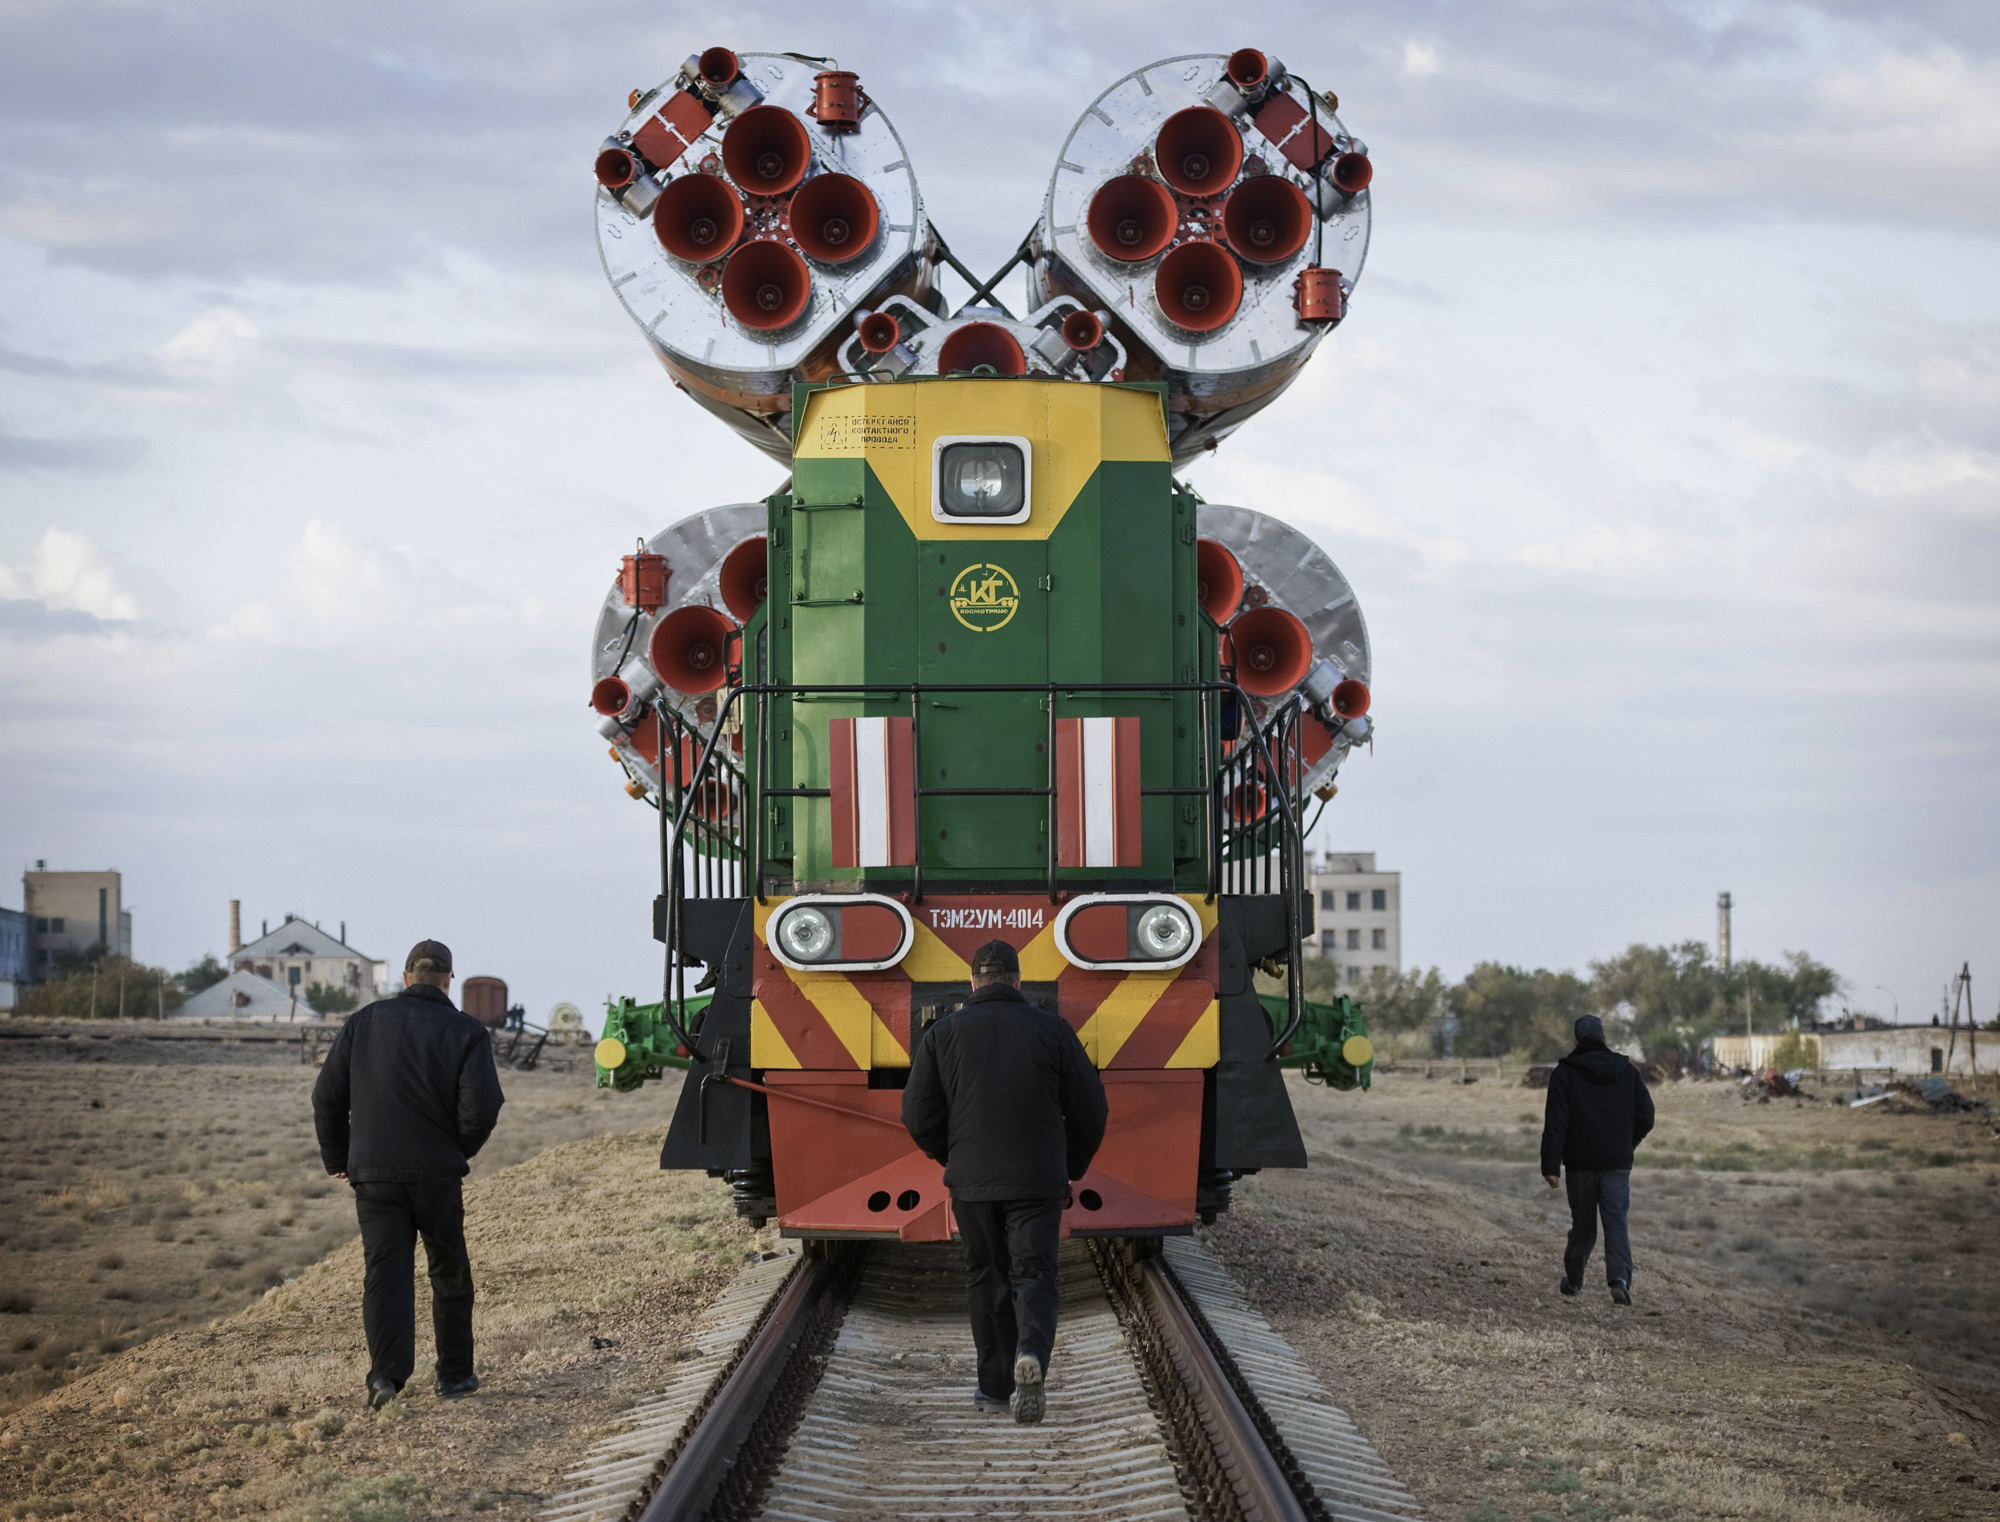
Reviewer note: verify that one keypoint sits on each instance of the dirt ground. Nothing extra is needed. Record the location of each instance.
(1817, 1311)
(146, 1185)
(1814, 1335)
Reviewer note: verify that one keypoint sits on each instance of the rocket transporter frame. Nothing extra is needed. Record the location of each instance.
(982, 667)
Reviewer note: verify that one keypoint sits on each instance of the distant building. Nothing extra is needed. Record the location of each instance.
(73, 911)
(299, 954)
(1358, 914)
(14, 964)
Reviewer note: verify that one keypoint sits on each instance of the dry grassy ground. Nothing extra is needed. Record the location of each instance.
(1816, 1318)
(145, 1185)
(1818, 1306)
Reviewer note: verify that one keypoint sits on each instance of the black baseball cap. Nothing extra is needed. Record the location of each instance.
(434, 952)
(995, 956)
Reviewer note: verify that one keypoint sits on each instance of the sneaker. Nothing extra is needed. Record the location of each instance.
(451, 1389)
(1569, 1290)
(380, 1392)
(987, 1402)
(1029, 1399)
(1620, 1293)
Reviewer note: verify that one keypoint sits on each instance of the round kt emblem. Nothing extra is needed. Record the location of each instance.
(984, 598)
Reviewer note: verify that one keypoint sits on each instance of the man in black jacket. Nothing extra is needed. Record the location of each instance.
(1002, 1094)
(407, 1094)
(1598, 1111)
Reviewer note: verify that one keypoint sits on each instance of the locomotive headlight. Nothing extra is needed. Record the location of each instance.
(1163, 932)
(1128, 932)
(986, 479)
(806, 934)
(840, 932)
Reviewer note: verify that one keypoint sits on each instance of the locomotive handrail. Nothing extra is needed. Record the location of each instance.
(735, 855)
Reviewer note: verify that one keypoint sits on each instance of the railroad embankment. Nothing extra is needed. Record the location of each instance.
(1813, 1337)
(1815, 1328)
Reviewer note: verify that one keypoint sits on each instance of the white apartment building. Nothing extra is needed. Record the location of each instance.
(1358, 913)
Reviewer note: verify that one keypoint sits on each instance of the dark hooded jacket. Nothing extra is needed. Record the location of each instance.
(1598, 1111)
(408, 1091)
(1003, 1095)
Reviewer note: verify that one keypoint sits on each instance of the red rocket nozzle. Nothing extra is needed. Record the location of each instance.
(617, 168)
(718, 67)
(610, 696)
(745, 578)
(1199, 286)
(1199, 151)
(766, 150)
(1273, 651)
(1218, 579)
(1267, 219)
(698, 218)
(1352, 172)
(688, 649)
(765, 285)
(1351, 699)
(1083, 331)
(982, 343)
(1132, 218)
(878, 332)
(834, 218)
(1247, 68)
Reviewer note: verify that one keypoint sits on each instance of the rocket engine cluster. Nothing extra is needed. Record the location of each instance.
(1203, 229)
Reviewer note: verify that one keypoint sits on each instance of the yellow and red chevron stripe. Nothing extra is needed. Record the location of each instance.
(848, 1021)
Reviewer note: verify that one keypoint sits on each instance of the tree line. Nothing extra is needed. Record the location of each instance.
(1670, 999)
(92, 984)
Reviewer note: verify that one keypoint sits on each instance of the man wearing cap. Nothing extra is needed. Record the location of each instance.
(407, 1094)
(1598, 1112)
(1003, 1095)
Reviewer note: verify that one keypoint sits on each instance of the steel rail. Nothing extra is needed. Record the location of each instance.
(1269, 1481)
(1233, 1460)
(708, 1461)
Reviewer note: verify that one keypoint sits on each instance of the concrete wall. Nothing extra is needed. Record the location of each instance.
(1906, 1049)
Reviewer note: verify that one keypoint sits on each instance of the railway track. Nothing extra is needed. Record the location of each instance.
(838, 1387)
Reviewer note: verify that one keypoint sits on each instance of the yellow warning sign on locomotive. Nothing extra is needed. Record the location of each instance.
(984, 597)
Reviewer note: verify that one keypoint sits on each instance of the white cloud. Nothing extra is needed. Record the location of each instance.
(1420, 59)
(69, 573)
(211, 346)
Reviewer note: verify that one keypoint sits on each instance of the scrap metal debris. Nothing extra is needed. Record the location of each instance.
(1762, 1088)
(1933, 1095)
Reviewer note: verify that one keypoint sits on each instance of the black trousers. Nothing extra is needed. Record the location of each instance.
(1010, 1283)
(1592, 1195)
(392, 1217)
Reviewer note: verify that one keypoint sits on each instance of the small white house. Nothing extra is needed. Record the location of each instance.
(244, 996)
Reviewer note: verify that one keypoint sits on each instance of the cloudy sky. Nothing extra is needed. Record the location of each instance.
(1661, 446)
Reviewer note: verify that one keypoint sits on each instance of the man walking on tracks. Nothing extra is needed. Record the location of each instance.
(1003, 1095)
(407, 1094)
(1598, 1112)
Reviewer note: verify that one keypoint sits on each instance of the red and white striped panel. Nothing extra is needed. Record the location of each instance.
(874, 798)
(1097, 793)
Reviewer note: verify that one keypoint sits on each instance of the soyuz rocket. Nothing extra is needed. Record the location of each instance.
(759, 218)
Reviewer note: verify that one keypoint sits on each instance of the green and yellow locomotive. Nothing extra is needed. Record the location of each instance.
(982, 667)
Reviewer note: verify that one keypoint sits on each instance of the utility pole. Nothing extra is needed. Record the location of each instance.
(1961, 987)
